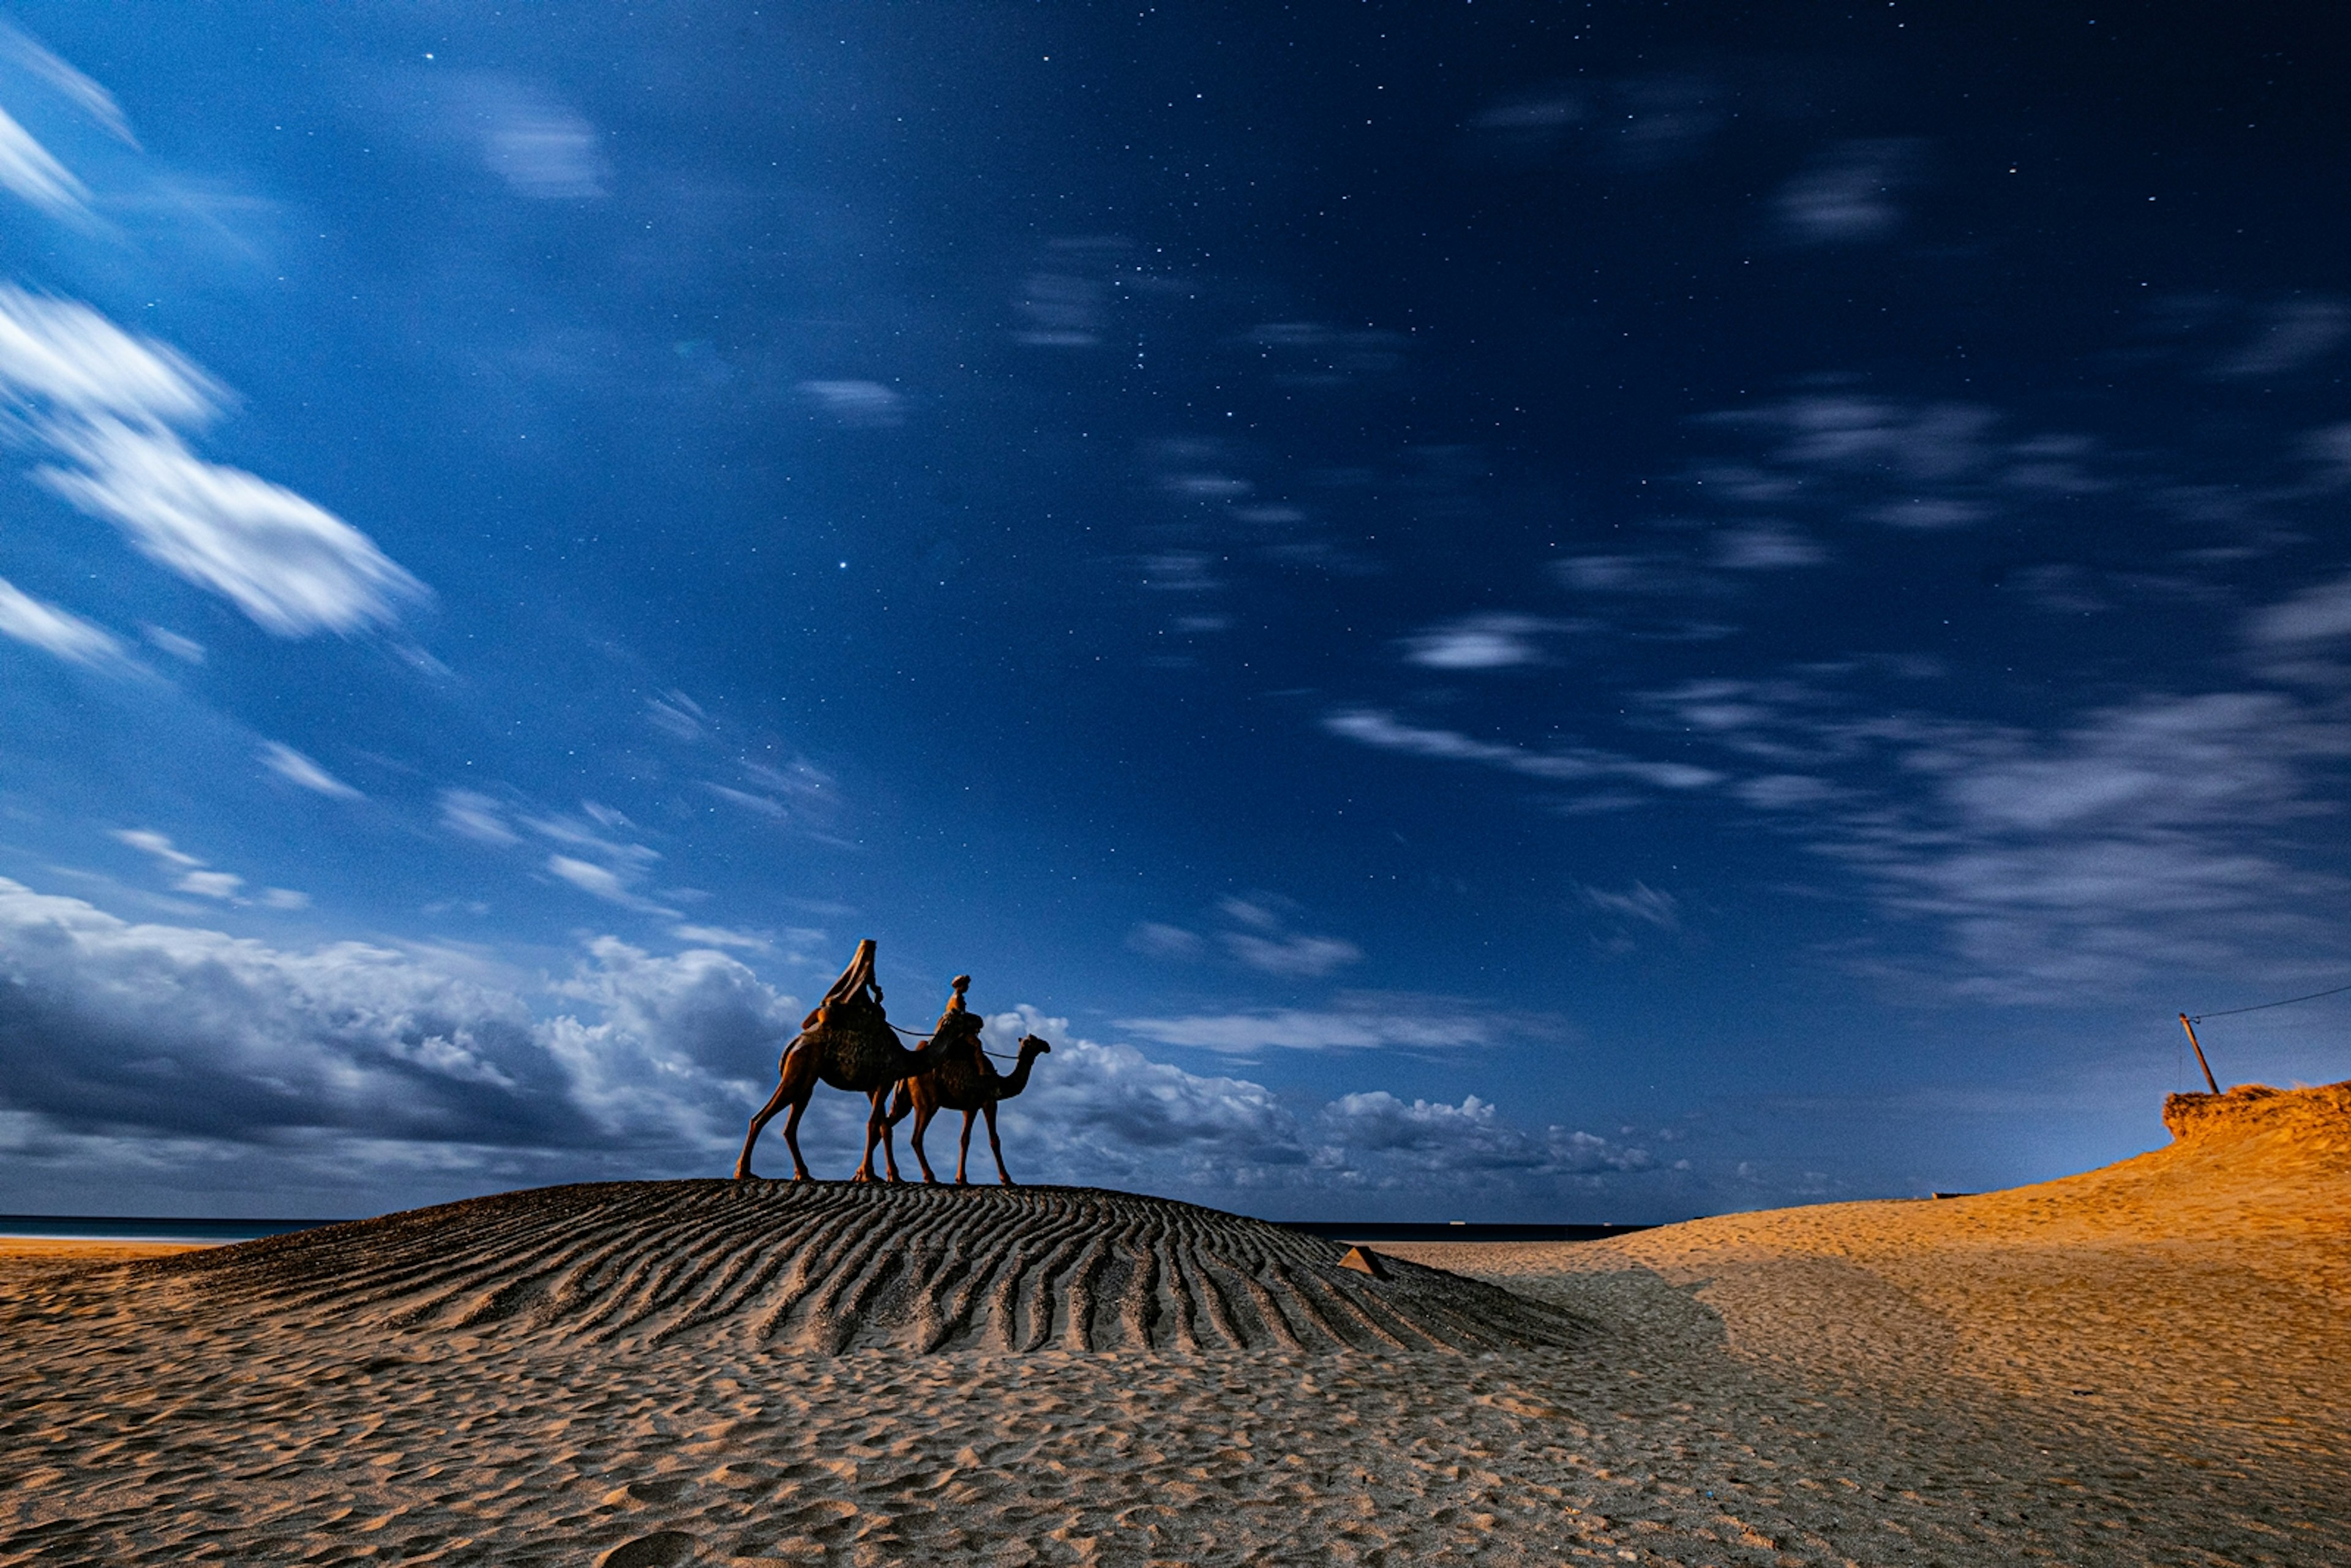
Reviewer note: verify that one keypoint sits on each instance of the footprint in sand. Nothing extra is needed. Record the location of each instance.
(661, 1549)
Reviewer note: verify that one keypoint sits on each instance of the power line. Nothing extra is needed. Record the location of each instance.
(2259, 1006)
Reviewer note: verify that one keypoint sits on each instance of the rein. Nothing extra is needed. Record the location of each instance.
(925, 1040)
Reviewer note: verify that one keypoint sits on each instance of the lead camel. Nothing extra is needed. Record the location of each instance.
(848, 1042)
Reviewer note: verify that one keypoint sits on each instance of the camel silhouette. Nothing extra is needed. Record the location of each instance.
(848, 1042)
(967, 1083)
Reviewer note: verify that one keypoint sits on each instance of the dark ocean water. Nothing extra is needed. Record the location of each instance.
(1376, 1230)
(121, 1228)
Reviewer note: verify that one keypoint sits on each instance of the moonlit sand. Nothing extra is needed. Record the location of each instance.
(2145, 1364)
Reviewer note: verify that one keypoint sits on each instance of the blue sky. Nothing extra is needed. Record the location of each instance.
(1480, 611)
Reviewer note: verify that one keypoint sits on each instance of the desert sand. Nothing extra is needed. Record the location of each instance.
(2146, 1363)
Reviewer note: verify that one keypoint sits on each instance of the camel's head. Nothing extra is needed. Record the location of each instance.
(1030, 1045)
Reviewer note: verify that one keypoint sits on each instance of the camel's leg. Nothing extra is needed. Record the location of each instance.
(792, 1137)
(877, 1130)
(922, 1111)
(963, 1151)
(799, 1083)
(997, 1145)
(788, 1083)
(922, 1114)
(889, 1140)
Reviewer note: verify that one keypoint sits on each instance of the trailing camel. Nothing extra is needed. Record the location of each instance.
(848, 1042)
(967, 1083)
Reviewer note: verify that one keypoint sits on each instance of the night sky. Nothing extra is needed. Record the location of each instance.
(1480, 611)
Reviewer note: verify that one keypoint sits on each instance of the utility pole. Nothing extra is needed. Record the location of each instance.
(2199, 1052)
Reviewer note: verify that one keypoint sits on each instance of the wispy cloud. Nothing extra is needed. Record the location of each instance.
(288, 563)
(542, 148)
(296, 768)
(720, 936)
(761, 804)
(1357, 1020)
(28, 54)
(1533, 119)
(1834, 452)
(547, 154)
(221, 884)
(1646, 122)
(2294, 335)
(473, 815)
(1061, 310)
(595, 854)
(104, 403)
(1155, 940)
(2156, 835)
(1847, 196)
(857, 404)
(1298, 956)
(1370, 727)
(677, 715)
(185, 649)
(1264, 940)
(65, 357)
(1491, 642)
(148, 841)
(1766, 547)
(2314, 615)
(39, 624)
(191, 875)
(33, 173)
(602, 882)
(1640, 901)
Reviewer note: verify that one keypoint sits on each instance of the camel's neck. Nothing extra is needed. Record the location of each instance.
(1020, 1079)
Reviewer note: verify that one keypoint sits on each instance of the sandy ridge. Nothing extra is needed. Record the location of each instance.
(827, 1268)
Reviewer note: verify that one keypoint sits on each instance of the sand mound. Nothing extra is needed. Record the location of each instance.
(2255, 1161)
(2198, 1296)
(829, 1267)
(2281, 1124)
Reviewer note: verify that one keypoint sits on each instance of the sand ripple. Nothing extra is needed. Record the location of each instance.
(826, 1267)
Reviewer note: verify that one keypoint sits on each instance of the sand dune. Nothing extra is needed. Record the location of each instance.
(2145, 1364)
(825, 1268)
(2171, 1285)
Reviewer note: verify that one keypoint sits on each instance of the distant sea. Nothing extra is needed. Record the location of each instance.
(120, 1227)
(1455, 1230)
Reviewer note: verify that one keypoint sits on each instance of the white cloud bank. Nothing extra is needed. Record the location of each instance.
(105, 405)
(170, 1053)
